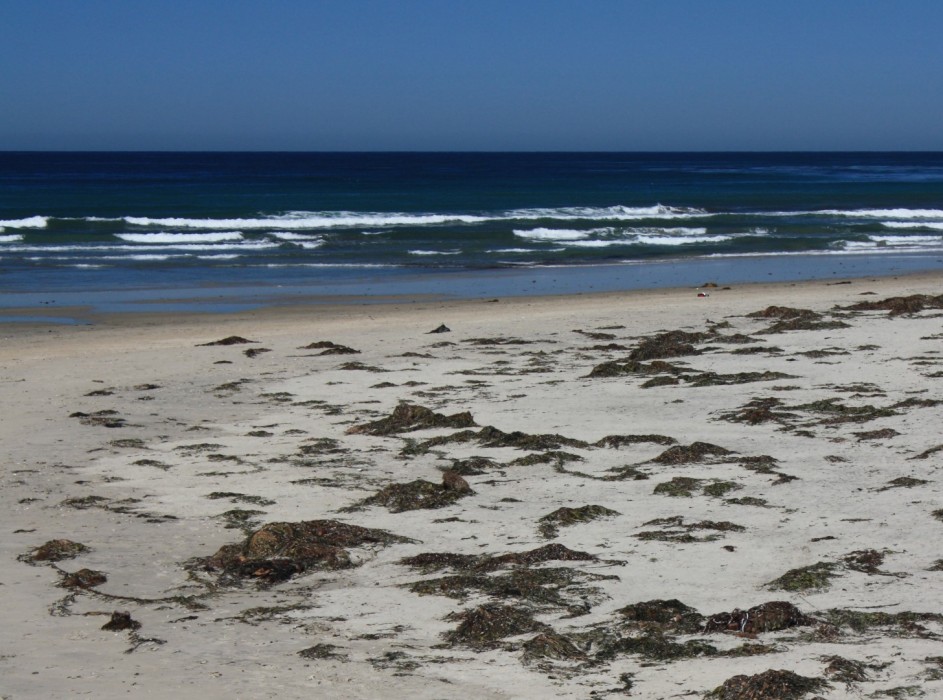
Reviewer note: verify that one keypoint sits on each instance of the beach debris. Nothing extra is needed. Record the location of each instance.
(408, 417)
(553, 646)
(104, 419)
(453, 481)
(669, 344)
(549, 524)
(617, 441)
(679, 486)
(120, 622)
(928, 452)
(767, 617)
(881, 434)
(416, 495)
(431, 561)
(83, 578)
(472, 466)
(849, 671)
(322, 651)
(668, 615)
(277, 551)
(769, 685)
(354, 366)
(483, 627)
(716, 379)
(897, 306)
(442, 328)
(55, 550)
(255, 352)
(815, 577)
(675, 530)
(906, 482)
(329, 348)
(702, 295)
(229, 340)
(696, 452)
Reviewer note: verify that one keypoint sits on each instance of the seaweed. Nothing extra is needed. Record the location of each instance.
(279, 550)
(354, 366)
(660, 381)
(783, 313)
(417, 495)
(715, 379)
(555, 456)
(120, 622)
(549, 524)
(329, 348)
(679, 486)
(55, 550)
(767, 617)
(926, 453)
(906, 482)
(104, 419)
(655, 646)
(881, 434)
(759, 410)
(241, 519)
(677, 531)
(670, 344)
(698, 452)
(550, 645)
(472, 466)
(669, 615)
(229, 340)
(846, 670)
(482, 627)
(409, 417)
(255, 352)
(770, 685)
(840, 413)
(617, 441)
(241, 498)
(816, 576)
(618, 369)
(897, 306)
(431, 561)
(322, 651)
(905, 624)
(719, 489)
(83, 579)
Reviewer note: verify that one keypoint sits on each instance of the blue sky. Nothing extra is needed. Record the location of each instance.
(471, 75)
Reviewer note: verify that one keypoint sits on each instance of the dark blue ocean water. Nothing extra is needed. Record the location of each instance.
(146, 225)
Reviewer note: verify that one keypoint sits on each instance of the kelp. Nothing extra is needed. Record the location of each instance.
(409, 417)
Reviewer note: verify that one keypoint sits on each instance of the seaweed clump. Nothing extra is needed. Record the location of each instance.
(55, 550)
(431, 561)
(816, 576)
(897, 306)
(666, 615)
(483, 627)
(229, 340)
(563, 517)
(695, 452)
(409, 417)
(670, 344)
(419, 494)
(769, 685)
(768, 617)
(277, 551)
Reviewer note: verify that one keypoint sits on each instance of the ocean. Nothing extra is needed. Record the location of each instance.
(231, 230)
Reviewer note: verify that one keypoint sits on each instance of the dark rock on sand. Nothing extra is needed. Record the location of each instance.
(121, 621)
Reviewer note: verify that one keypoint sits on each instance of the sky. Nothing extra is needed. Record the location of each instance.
(471, 75)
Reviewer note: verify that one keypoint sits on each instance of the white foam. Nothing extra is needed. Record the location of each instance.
(300, 220)
(680, 240)
(592, 244)
(933, 225)
(556, 234)
(29, 222)
(435, 252)
(291, 236)
(10, 238)
(886, 213)
(176, 238)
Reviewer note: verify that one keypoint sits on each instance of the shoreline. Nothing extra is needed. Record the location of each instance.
(211, 442)
(217, 294)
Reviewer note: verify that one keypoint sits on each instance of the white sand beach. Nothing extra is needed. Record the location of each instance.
(791, 457)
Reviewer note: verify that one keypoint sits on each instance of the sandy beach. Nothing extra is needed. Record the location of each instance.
(646, 494)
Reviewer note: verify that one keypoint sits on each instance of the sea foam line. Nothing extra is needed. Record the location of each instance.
(28, 222)
(176, 238)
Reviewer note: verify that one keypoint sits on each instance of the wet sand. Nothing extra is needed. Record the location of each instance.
(656, 492)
